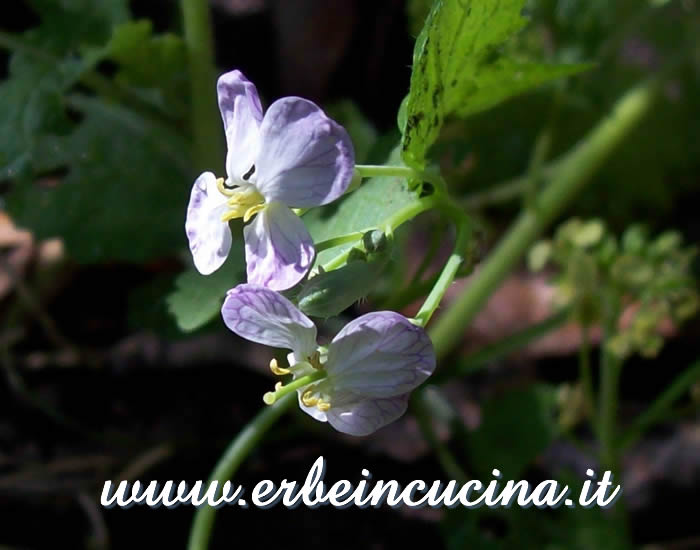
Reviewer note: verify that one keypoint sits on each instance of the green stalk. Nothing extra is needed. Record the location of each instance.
(572, 174)
(205, 123)
(448, 273)
(239, 449)
(584, 363)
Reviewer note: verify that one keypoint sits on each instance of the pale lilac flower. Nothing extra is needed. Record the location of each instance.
(372, 364)
(292, 157)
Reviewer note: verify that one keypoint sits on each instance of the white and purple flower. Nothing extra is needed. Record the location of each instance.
(370, 367)
(292, 157)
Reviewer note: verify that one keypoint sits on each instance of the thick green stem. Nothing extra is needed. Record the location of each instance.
(206, 127)
(657, 411)
(572, 174)
(239, 449)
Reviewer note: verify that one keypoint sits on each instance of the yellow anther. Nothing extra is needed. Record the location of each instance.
(244, 203)
(323, 406)
(252, 211)
(276, 369)
(223, 190)
(308, 399)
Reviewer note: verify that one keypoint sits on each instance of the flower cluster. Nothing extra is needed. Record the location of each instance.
(294, 156)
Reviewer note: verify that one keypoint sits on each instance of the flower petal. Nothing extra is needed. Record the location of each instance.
(209, 237)
(366, 416)
(264, 316)
(380, 354)
(305, 158)
(278, 248)
(240, 108)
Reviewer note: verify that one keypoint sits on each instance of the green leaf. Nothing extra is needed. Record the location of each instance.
(515, 428)
(197, 298)
(370, 206)
(43, 66)
(156, 65)
(125, 193)
(459, 70)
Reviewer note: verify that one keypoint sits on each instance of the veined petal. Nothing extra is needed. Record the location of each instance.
(366, 416)
(209, 237)
(380, 354)
(305, 158)
(264, 316)
(241, 112)
(278, 248)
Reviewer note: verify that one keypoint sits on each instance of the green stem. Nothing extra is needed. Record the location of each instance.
(372, 171)
(502, 348)
(610, 369)
(239, 449)
(584, 363)
(380, 171)
(206, 127)
(408, 212)
(337, 241)
(573, 173)
(273, 396)
(657, 411)
(448, 273)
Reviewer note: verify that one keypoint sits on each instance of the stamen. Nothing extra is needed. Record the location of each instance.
(323, 406)
(276, 369)
(308, 399)
(252, 211)
(225, 189)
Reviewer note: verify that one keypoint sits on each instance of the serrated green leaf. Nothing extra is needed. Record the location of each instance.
(124, 196)
(458, 70)
(373, 203)
(197, 299)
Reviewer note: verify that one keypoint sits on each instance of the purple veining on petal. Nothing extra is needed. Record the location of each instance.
(380, 354)
(264, 316)
(278, 248)
(241, 112)
(366, 416)
(209, 238)
(305, 158)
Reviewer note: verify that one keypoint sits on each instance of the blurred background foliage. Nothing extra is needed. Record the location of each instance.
(99, 297)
